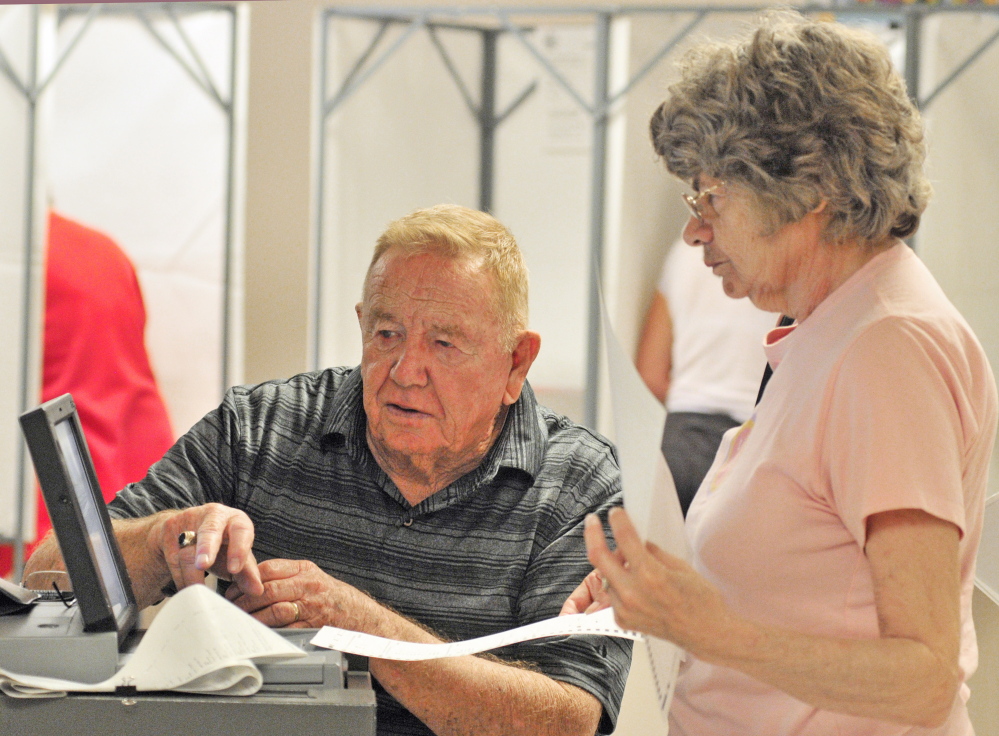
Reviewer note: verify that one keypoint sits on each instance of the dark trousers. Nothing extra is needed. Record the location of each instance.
(690, 442)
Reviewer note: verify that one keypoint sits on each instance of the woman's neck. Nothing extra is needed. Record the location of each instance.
(832, 265)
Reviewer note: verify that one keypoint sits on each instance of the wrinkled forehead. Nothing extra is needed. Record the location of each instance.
(431, 281)
(406, 258)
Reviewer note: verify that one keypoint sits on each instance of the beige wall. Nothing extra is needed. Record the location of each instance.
(278, 188)
(984, 703)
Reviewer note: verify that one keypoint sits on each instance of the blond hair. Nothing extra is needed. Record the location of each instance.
(469, 236)
(799, 112)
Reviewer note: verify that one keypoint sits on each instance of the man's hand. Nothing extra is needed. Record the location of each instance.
(153, 555)
(297, 593)
(591, 595)
(224, 538)
(588, 597)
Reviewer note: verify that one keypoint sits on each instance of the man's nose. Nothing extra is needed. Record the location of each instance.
(697, 232)
(410, 367)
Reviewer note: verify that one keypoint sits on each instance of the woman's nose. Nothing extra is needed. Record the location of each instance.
(697, 232)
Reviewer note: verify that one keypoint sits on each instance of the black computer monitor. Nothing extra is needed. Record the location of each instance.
(79, 516)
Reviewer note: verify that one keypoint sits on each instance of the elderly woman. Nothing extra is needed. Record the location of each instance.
(834, 537)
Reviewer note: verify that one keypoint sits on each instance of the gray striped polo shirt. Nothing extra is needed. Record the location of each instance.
(500, 547)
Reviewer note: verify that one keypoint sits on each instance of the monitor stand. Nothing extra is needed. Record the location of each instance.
(49, 641)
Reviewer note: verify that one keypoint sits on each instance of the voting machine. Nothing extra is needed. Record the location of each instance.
(86, 636)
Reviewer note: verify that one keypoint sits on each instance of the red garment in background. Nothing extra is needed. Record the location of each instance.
(94, 348)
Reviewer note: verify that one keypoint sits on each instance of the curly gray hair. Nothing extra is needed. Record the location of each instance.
(798, 112)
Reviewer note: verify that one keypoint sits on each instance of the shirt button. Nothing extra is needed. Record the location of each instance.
(408, 522)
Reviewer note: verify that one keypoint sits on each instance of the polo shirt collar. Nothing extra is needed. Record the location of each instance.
(346, 421)
(521, 443)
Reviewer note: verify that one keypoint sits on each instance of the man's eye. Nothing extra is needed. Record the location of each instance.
(445, 344)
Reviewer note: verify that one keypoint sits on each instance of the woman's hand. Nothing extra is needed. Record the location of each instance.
(654, 592)
(908, 675)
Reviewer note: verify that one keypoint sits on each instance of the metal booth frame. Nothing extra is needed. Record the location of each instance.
(492, 22)
(33, 86)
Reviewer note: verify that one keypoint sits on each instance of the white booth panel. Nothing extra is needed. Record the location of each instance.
(543, 195)
(16, 30)
(957, 238)
(139, 152)
(405, 140)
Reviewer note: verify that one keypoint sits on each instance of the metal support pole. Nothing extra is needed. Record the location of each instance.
(962, 67)
(31, 84)
(230, 187)
(913, 35)
(597, 203)
(487, 120)
(319, 189)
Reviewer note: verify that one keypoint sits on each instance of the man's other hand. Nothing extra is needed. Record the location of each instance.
(588, 597)
(297, 593)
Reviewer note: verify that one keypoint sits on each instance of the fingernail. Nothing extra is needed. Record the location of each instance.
(234, 566)
(201, 561)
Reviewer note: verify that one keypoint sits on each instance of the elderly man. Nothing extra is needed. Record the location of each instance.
(423, 496)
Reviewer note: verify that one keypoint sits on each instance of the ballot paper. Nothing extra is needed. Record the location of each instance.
(649, 492)
(198, 643)
(600, 623)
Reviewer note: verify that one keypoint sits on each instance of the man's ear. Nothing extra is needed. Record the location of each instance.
(523, 355)
(359, 309)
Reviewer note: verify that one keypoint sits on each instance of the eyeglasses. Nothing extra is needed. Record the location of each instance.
(699, 206)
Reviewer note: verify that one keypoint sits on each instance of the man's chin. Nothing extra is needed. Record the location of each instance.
(407, 440)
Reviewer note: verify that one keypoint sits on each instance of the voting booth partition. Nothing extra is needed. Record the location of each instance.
(21, 225)
(127, 119)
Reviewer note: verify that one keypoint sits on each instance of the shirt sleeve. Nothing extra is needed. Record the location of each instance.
(894, 434)
(597, 664)
(200, 468)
